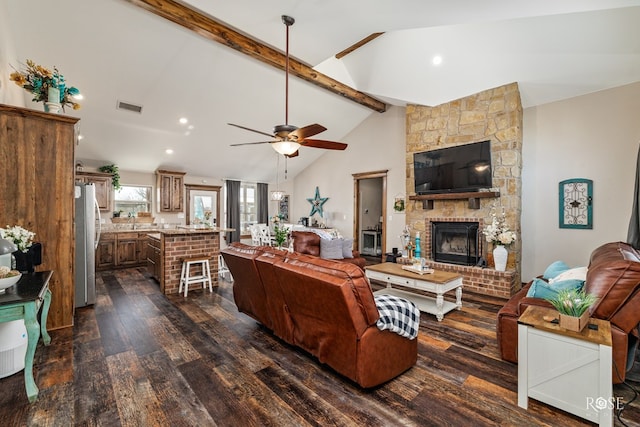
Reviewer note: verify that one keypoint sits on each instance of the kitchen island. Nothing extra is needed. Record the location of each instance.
(168, 247)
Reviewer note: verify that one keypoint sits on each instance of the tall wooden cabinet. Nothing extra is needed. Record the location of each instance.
(102, 182)
(170, 191)
(37, 193)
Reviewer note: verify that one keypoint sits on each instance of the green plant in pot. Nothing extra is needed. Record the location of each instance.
(573, 306)
(113, 170)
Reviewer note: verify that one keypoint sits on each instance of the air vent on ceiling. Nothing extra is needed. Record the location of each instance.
(129, 107)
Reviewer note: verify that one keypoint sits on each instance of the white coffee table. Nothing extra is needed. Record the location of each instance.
(438, 283)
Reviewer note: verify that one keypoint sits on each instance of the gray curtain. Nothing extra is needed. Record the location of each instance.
(633, 236)
(263, 203)
(233, 210)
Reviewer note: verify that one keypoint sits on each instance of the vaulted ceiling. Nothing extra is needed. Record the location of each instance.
(116, 50)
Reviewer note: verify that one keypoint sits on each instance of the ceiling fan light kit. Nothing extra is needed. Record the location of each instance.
(289, 138)
(285, 147)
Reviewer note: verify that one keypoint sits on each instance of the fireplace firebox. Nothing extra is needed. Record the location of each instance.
(455, 242)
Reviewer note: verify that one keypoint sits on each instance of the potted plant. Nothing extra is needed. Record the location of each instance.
(113, 170)
(280, 233)
(573, 306)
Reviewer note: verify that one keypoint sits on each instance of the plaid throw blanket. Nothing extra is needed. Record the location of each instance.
(397, 315)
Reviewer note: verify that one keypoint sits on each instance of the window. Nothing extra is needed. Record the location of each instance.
(133, 199)
(248, 206)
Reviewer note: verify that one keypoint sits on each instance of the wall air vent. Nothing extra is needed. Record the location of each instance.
(129, 107)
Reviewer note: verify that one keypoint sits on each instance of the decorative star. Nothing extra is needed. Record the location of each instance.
(317, 202)
(575, 204)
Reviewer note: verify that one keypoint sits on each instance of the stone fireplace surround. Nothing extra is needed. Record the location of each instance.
(496, 115)
(475, 279)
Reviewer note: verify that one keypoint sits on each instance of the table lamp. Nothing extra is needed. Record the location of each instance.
(7, 247)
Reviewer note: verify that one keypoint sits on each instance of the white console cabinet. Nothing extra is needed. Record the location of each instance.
(371, 243)
(568, 370)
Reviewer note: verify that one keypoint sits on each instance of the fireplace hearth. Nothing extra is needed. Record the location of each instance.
(455, 242)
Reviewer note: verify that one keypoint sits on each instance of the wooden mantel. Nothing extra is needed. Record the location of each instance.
(473, 197)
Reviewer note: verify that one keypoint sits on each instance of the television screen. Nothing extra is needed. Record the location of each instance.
(454, 169)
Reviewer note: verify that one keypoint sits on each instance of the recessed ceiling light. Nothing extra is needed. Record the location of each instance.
(183, 120)
(437, 60)
(190, 127)
(168, 151)
(80, 137)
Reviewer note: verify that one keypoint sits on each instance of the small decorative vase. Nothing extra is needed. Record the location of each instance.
(51, 107)
(27, 261)
(500, 255)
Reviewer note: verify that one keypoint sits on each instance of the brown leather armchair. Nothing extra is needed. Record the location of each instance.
(614, 277)
(307, 242)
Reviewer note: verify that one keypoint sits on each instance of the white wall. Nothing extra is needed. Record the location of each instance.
(10, 93)
(593, 136)
(377, 144)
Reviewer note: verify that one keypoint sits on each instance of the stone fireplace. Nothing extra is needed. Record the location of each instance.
(495, 115)
(455, 242)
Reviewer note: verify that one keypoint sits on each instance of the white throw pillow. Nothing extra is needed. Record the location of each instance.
(347, 248)
(578, 273)
(331, 249)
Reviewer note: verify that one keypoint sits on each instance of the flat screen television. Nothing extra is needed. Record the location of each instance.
(458, 169)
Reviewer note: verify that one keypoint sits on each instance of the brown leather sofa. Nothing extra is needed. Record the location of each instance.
(307, 242)
(322, 306)
(613, 275)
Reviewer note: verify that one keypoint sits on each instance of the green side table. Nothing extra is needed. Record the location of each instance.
(23, 301)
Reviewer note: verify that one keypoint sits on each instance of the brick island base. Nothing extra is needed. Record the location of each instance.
(176, 245)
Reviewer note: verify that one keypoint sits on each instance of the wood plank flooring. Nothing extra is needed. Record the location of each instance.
(138, 358)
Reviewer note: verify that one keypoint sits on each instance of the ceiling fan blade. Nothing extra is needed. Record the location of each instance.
(251, 143)
(327, 145)
(251, 130)
(304, 132)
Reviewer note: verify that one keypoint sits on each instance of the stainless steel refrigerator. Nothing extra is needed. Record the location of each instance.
(87, 237)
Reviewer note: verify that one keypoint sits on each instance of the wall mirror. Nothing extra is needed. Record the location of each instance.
(201, 200)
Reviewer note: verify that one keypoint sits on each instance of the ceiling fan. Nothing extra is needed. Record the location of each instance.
(287, 139)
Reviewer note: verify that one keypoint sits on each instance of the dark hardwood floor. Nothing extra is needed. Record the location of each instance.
(138, 358)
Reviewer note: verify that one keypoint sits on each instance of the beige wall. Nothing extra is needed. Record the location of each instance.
(593, 136)
(10, 93)
(377, 144)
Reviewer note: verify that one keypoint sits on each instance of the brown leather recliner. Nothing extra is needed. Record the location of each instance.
(307, 242)
(613, 276)
(322, 306)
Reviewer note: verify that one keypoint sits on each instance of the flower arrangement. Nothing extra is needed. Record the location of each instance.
(21, 237)
(572, 302)
(37, 80)
(6, 272)
(280, 233)
(498, 231)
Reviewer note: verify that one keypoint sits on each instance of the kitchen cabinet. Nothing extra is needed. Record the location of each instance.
(121, 250)
(37, 193)
(127, 249)
(154, 257)
(170, 188)
(104, 188)
(105, 252)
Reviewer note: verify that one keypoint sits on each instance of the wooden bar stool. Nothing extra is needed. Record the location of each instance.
(186, 278)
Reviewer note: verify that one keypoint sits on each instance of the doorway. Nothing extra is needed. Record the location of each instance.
(370, 190)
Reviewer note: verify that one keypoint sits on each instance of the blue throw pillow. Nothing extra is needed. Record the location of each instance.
(541, 289)
(554, 269)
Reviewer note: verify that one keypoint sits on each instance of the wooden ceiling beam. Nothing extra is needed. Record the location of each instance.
(211, 29)
(357, 45)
